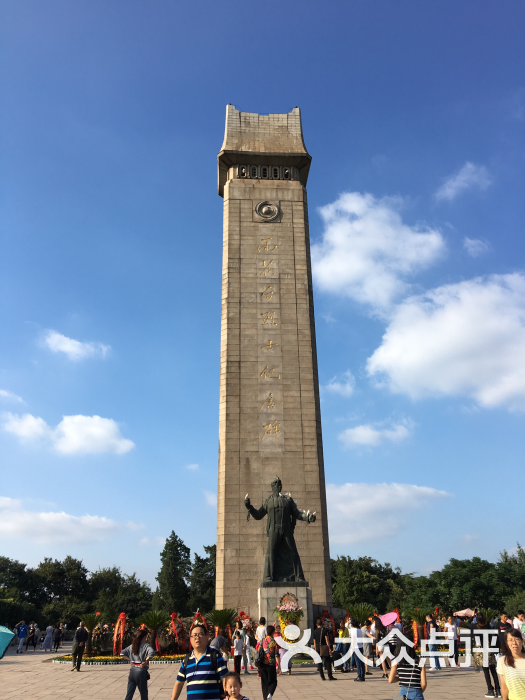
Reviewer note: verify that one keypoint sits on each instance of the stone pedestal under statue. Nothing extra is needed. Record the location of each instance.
(270, 595)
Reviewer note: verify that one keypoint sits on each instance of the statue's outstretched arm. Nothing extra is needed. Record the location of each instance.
(301, 515)
(256, 514)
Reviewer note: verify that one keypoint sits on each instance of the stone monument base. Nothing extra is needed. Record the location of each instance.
(269, 598)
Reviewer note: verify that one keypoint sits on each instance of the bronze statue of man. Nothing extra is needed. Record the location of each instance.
(282, 558)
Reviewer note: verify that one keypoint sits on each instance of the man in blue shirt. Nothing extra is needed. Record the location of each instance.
(21, 630)
(202, 670)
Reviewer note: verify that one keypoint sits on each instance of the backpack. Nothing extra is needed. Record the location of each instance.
(259, 657)
(213, 659)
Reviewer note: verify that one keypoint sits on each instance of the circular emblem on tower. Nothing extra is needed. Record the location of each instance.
(267, 211)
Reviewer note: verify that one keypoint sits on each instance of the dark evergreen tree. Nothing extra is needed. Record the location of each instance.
(172, 592)
(202, 581)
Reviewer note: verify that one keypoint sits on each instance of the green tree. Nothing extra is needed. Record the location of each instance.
(515, 602)
(60, 579)
(201, 592)
(115, 592)
(510, 571)
(421, 592)
(13, 574)
(67, 609)
(24, 585)
(172, 591)
(365, 580)
(361, 612)
(105, 581)
(13, 608)
(222, 618)
(467, 583)
(155, 621)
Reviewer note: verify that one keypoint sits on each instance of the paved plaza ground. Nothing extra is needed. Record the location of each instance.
(32, 675)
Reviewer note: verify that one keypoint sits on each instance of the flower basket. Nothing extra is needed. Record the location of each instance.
(288, 611)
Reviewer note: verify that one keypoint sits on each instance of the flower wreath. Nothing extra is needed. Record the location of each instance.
(288, 611)
(248, 625)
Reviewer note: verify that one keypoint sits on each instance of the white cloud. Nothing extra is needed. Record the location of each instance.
(26, 427)
(367, 251)
(344, 385)
(460, 339)
(368, 435)
(468, 177)
(73, 435)
(475, 247)
(210, 498)
(74, 349)
(192, 467)
(363, 512)
(16, 522)
(9, 396)
(76, 434)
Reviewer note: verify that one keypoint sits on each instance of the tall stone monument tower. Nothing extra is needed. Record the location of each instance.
(270, 421)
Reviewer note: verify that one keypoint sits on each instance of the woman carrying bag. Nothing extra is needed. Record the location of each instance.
(271, 663)
(138, 654)
(322, 647)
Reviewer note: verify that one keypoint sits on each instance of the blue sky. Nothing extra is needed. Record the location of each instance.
(111, 235)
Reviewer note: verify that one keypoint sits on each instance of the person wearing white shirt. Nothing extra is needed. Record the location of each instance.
(260, 632)
(519, 623)
(238, 649)
(356, 635)
(451, 630)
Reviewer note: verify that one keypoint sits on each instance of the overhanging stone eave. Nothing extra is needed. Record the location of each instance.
(226, 159)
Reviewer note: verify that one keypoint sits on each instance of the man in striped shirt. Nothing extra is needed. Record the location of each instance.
(202, 670)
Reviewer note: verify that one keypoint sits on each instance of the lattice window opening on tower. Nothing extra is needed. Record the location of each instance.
(267, 172)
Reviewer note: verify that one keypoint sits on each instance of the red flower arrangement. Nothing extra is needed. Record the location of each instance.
(118, 634)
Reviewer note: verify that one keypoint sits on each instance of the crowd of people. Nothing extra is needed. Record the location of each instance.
(30, 635)
(496, 646)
